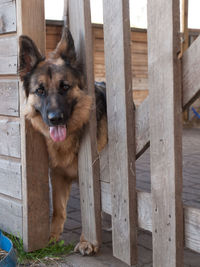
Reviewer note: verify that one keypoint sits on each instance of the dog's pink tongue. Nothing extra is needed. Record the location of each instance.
(58, 133)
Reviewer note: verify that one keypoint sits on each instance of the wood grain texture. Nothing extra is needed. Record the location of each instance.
(11, 216)
(8, 55)
(9, 97)
(142, 127)
(35, 181)
(192, 228)
(10, 178)
(10, 144)
(144, 200)
(190, 73)
(89, 177)
(7, 16)
(165, 132)
(121, 134)
(104, 165)
(185, 41)
(106, 201)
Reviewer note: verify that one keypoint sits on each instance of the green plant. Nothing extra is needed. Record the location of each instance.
(53, 251)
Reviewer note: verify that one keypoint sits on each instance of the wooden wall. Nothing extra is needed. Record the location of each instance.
(10, 140)
(24, 193)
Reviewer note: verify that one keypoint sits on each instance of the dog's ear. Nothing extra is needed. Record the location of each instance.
(29, 56)
(65, 48)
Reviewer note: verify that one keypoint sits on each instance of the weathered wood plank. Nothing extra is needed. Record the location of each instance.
(104, 165)
(190, 73)
(8, 55)
(9, 98)
(165, 132)
(10, 138)
(81, 28)
(10, 178)
(142, 127)
(7, 16)
(35, 181)
(121, 135)
(144, 200)
(192, 228)
(11, 216)
(185, 41)
(106, 197)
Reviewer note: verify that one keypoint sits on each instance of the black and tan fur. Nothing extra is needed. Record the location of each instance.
(55, 86)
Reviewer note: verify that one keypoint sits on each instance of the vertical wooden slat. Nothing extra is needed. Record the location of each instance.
(121, 125)
(165, 132)
(185, 42)
(89, 181)
(35, 188)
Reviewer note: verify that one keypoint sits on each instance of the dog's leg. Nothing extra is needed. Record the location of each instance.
(61, 189)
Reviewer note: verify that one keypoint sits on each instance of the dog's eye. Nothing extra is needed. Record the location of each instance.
(40, 91)
(64, 87)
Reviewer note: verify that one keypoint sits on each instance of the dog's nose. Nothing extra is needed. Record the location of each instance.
(55, 117)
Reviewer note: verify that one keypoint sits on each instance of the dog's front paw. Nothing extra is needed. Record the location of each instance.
(85, 247)
(54, 238)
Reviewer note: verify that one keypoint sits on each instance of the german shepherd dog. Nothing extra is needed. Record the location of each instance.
(59, 108)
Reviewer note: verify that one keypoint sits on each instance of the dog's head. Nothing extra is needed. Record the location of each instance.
(54, 87)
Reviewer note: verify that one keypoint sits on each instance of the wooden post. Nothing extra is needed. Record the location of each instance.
(89, 181)
(121, 125)
(185, 41)
(165, 132)
(35, 182)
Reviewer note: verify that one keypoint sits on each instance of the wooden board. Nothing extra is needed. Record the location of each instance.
(10, 178)
(81, 28)
(121, 136)
(185, 41)
(7, 16)
(9, 97)
(142, 127)
(139, 96)
(53, 36)
(190, 73)
(192, 228)
(144, 200)
(165, 132)
(11, 216)
(10, 144)
(8, 55)
(104, 165)
(35, 181)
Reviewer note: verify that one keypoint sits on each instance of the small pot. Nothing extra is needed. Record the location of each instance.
(6, 244)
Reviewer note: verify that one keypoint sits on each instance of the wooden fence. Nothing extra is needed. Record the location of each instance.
(107, 181)
(173, 85)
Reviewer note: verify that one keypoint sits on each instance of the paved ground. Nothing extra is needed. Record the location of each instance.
(191, 197)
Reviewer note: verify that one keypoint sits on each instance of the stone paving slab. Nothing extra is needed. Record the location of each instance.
(105, 259)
